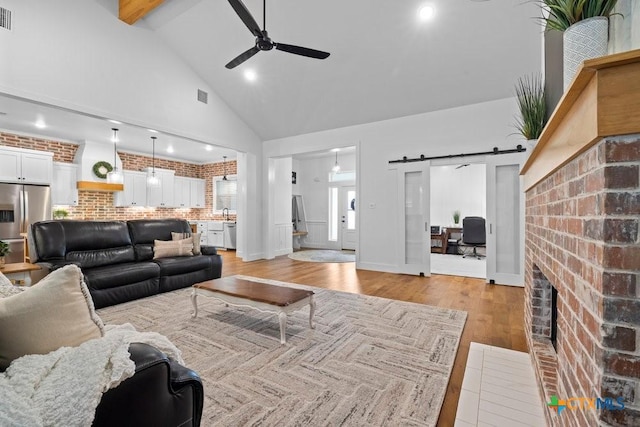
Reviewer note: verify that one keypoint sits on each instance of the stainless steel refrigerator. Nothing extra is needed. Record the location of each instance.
(20, 206)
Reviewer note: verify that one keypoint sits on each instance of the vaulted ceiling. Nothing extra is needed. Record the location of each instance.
(385, 63)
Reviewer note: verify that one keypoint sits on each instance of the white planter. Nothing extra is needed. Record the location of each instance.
(583, 40)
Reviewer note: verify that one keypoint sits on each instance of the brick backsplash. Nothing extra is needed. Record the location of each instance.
(582, 237)
(99, 205)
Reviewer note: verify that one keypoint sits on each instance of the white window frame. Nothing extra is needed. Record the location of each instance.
(215, 180)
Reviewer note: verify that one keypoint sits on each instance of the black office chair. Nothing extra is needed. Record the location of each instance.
(474, 234)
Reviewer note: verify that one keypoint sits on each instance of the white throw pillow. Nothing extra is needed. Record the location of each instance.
(56, 312)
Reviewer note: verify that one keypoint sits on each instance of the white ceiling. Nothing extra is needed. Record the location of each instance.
(384, 64)
(19, 116)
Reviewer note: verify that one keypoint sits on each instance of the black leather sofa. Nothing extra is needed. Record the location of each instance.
(161, 393)
(116, 257)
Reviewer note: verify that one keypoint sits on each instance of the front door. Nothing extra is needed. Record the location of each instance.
(413, 233)
(348, 217)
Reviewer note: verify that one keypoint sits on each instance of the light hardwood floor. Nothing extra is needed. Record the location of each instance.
(495, 313)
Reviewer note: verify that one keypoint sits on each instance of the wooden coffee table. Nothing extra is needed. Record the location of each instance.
(279, 300)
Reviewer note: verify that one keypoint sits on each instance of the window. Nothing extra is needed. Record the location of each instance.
(225, 194)
(342, 176)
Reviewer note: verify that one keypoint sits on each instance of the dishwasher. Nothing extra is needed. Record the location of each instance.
(230, 235)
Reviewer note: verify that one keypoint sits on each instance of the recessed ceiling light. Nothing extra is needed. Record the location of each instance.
(250, 75)
(40, 124)
(152, 130)
(115, 122)
(208, 147)
(169, 149)
(426, 12)
(334, 150)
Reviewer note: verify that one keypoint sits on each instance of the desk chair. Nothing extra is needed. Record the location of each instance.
(474, 234)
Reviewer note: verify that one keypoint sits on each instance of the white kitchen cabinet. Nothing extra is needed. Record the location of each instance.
(215, 235)
(197, 192)
(188, 192)
(64, 188)
(135, 190)
(25, 166)
(203, 228)
(181, 192)
(162, 195)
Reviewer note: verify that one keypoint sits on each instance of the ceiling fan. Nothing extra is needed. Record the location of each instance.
(263, 42)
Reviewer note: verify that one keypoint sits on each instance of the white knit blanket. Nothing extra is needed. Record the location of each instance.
(64, 387)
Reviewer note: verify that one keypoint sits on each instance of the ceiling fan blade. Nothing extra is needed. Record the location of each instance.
(246, 17)
(304, 51)
(242, 57)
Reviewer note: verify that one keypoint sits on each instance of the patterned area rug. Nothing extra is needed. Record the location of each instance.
(322, 255)
(369, 361)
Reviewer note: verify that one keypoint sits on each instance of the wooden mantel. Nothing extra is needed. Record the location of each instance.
(603, 100)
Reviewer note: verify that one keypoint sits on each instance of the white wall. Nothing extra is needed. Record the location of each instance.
(471, 128)
(78, 55)
(283, 227)
(462, 189)
(90, 61)
(625, 30)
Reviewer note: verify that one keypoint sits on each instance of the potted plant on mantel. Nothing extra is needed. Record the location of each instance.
(585, 24)
(532, 103)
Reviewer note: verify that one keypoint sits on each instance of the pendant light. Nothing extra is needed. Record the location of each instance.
(115, 176)
(152, 179)
(336, 166)
(224, 165)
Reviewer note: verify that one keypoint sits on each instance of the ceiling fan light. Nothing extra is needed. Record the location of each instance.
(426, 12)
(250, 75)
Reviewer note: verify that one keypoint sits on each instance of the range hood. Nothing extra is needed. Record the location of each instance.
(88, 154)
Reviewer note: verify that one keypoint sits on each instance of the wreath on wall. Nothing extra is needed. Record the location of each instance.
(101, 169)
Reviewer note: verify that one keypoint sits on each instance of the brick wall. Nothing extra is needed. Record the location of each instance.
(582, 237)
(99, 205)
(62, 151)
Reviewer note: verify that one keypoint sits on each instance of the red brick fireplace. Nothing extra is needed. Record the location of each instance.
(583, 239)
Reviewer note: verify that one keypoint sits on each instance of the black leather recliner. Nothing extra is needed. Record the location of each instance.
(161, 393)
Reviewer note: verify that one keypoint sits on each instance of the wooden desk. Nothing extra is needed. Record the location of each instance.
(442, 238)
(19, 272)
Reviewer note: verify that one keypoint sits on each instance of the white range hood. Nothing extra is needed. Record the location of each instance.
(88, 154)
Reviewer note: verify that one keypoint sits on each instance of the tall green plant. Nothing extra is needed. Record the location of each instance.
(532, 105)
(565, 13)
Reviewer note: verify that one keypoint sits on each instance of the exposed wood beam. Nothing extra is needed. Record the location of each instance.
(132, 10)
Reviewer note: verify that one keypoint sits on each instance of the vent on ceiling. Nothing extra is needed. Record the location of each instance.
(5, 18)
(203, 96)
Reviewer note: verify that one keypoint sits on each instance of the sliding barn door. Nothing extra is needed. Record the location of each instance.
(505, 220)
(414, 236)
